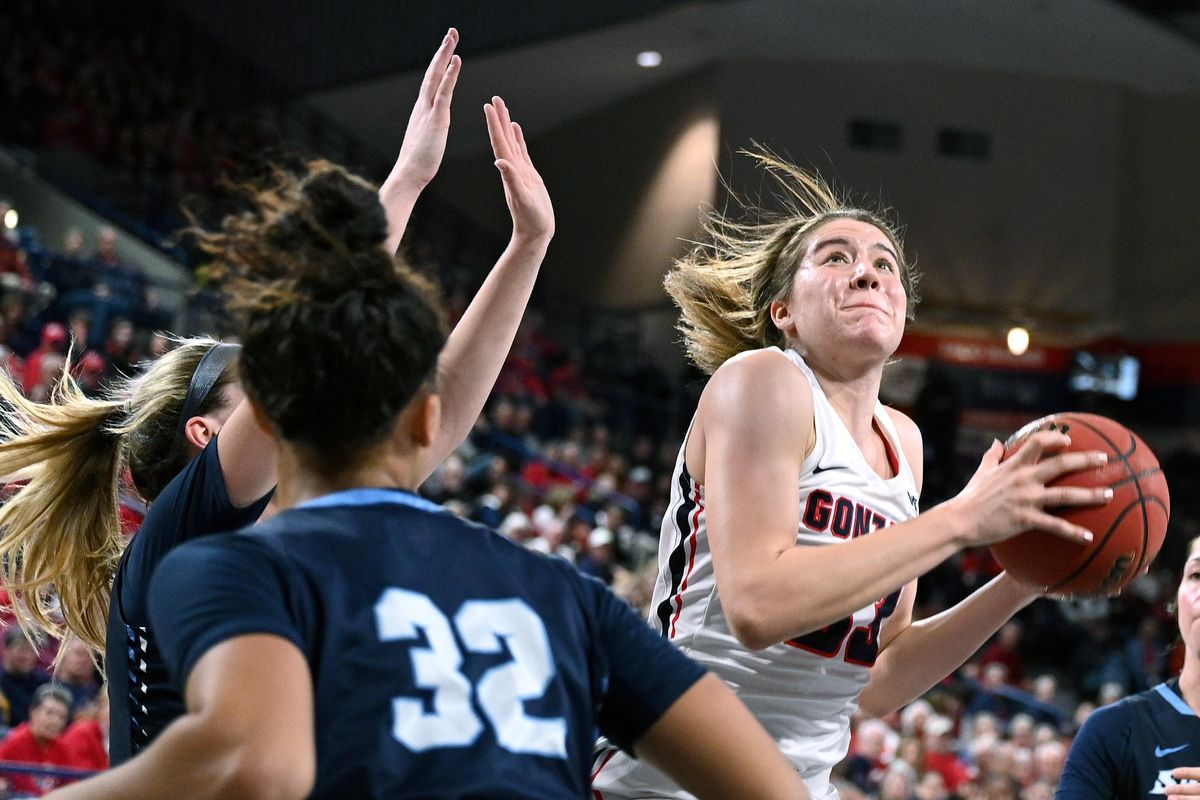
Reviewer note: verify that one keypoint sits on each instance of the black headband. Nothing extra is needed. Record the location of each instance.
(208, 371)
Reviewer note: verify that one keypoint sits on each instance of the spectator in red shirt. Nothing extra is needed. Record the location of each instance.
(1006, 650)
(39, 741)
(54, 340)
(87, 737)
(939, 752)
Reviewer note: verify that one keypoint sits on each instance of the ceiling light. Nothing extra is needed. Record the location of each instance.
(10, 219)
(1018, 340)
(649, 58)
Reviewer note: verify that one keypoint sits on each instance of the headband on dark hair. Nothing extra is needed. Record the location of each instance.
(208, 371)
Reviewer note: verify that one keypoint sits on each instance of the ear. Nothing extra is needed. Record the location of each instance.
(199, 431)
(426, 420)
(781, 317)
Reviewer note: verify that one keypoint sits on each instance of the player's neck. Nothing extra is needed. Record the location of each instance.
(1189, 681)
(299, 482)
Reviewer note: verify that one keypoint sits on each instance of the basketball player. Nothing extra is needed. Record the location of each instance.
(1147, 744)
(432, 657)
(792, 545)
(61, 529)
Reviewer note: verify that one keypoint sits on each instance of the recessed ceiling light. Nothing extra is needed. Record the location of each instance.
(1018, 340)
(649, 58)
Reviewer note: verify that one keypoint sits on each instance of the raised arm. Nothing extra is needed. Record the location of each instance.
(755, 427)
(424, 140)
(247, 733)
(480, 341)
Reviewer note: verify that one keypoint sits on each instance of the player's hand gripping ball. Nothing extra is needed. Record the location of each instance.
(1128, 530)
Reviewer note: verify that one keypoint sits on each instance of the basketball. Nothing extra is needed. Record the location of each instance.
(1128, 530)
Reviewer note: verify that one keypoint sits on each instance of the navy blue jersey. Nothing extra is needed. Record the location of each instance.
(1128, 750)
(142, 698)
(446, 661)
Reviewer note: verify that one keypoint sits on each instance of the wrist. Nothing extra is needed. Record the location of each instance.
(954, 523)
(1019, 594)
(403, 181)
(531, 242)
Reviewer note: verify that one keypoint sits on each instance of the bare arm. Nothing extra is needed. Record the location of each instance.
(247, 733)
(424, 140)
(480, 342)
(922, 653)
(743, 761)
(913, 656)
(755, 422)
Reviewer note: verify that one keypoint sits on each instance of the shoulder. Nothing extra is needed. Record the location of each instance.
(760, 380)
(16, 738)
(198, 562)
(1110, 722)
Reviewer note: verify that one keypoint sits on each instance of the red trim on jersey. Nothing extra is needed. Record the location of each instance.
(596, 794)
(694, 524)
(892, 458)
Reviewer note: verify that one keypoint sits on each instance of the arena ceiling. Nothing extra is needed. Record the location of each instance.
(1113, 95)
(558, 61)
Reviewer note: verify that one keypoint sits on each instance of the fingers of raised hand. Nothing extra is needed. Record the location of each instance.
(519, 138)
(445, 91)
(500, 130)
(437, 66)
(496, 133)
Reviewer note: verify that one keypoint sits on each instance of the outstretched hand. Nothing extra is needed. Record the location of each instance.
(528, 200)
(425, 138)
(1006, 498)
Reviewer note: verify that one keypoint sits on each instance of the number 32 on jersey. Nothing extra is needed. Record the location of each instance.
(501, 691)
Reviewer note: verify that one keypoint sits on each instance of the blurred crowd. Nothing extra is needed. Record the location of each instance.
(95, 82)
(84, 300)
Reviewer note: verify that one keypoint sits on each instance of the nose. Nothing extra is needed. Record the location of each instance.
(864, 277)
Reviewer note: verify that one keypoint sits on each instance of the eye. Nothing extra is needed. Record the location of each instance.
(884, 264)
(837, 257)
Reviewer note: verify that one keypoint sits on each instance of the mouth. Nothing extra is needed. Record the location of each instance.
(870, 306)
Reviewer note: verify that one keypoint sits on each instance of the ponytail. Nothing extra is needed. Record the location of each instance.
(60, 532)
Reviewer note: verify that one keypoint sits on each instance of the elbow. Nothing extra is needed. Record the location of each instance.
(875, 707)
(758, 623)
(262, 776)
(751, 626)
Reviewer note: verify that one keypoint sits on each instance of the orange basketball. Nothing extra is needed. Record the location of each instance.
(1128, 530)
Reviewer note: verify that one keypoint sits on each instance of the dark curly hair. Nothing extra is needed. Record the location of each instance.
(338, 335)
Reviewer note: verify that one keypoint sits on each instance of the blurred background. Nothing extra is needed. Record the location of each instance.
(1042, 154)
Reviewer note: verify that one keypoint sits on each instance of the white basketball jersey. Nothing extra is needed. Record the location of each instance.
(803, 691)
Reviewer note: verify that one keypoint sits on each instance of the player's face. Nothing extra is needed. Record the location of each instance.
(847, 291)
(1188, 600)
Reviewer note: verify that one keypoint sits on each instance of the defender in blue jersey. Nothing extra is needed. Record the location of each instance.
(1147, 745)
(363, 643)
(62, 544)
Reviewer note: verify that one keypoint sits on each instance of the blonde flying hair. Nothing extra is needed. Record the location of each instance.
(724, 287)
(60, 533)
